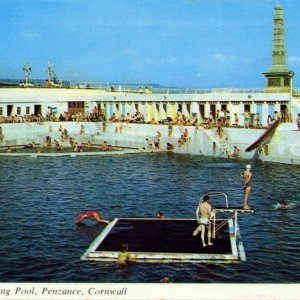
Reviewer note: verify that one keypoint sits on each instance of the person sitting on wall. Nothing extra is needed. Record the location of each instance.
(157, 144)
(113, 118)
(170, 146)
(89, 145)
(236, 152)
(48, 141)
(1, 134)
(29, 145)
(298, 121)
(149, 144)
(153, 122)
(91, 214)
(71, 141)
(104, 146)
(76, 147)
(58, 147)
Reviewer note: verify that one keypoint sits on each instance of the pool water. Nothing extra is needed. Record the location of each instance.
(40, 199)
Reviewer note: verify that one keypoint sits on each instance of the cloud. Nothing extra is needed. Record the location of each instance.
(223, 58)
(30, 35)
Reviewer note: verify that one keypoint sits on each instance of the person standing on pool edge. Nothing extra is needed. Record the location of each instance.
(205, 220)
(247, 176)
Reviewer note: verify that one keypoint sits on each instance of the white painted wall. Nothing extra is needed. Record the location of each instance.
(283, 147)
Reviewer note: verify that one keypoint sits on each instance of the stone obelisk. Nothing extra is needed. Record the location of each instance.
(279, 77)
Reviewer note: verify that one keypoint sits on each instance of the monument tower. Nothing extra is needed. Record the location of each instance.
(279, 77)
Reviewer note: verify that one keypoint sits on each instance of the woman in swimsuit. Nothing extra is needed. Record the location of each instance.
(91, 214)
(247, 176)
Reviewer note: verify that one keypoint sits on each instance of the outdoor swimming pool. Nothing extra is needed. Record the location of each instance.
(41, 198)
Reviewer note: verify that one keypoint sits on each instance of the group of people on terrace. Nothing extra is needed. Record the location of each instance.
(213, 119)
(128, 118)
(221, 118)
(97, 114)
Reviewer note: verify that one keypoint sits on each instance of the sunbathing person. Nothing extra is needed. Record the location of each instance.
(91, 214)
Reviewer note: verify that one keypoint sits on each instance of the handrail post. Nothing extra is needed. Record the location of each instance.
(235, 224)
(214, 226)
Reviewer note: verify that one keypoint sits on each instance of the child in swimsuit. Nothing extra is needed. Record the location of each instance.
(125, 256)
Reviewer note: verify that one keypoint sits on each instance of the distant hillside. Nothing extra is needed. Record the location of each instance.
(66, 83)
(36, 82)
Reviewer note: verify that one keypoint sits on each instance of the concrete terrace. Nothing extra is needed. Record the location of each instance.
(283, 147)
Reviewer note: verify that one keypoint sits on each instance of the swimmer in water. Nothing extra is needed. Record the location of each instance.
(166, 279)
(124, 255)
(160, 215)
(91, 214)
(282, 205)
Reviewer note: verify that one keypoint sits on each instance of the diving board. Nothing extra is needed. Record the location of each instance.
(234, 209)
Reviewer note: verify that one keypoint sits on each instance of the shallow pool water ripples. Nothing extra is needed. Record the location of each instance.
(40, 199)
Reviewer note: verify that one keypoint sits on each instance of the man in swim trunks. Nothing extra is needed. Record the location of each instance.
(247, 176)
(206, 214)
(91, 214)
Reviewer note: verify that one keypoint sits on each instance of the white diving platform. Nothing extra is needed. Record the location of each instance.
(171, 240)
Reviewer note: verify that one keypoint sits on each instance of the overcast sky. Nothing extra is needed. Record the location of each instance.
(184, 43)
